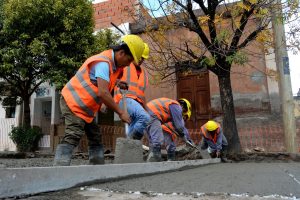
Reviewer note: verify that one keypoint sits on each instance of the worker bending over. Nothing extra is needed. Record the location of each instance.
(83, 95)
(166, 123)
(136, 78)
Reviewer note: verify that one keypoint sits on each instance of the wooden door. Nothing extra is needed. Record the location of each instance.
(195, 88)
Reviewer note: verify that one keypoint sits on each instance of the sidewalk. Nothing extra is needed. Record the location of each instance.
(33, 180)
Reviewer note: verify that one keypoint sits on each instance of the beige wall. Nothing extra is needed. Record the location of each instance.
(297, 107)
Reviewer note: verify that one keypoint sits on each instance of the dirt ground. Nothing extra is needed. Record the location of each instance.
(90, 193)
(40, 159)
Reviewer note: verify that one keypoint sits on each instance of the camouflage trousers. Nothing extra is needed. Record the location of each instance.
(75, 128)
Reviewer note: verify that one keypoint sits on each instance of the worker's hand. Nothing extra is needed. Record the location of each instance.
(123, 85)
(103, 108)
(181, 134)
(125, 117)
(218, 154)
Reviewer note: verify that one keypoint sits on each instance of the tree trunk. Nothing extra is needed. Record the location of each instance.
(26, 119)
(229, 122)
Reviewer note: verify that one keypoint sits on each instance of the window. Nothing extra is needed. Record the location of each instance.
(10, 112)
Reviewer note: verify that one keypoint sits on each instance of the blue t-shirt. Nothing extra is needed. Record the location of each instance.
(100, 70)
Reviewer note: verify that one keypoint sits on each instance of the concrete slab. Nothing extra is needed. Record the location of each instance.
(25, 181)
(128, 151)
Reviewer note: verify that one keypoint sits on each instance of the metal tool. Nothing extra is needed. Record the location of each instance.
(117, 28)
(186, 141)
(190, 144)
(124, 92)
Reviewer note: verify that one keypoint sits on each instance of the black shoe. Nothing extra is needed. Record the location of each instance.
(137, 136)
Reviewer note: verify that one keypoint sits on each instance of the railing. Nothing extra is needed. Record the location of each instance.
(6, 144)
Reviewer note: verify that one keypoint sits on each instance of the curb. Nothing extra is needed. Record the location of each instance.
(33, 180)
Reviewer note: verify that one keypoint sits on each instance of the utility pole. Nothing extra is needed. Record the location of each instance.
(286, 95)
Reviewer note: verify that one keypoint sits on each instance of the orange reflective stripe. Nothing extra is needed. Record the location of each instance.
(169, 128)
(208, 136)
(136, 85)
(160, 107)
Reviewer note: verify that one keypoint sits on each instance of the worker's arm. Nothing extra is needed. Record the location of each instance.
(101, 73)
(144, 98)
(177, 120)
(108, 100)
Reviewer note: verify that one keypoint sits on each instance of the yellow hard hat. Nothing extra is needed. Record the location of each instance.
(188, 106)
(146, 51)
(211, 125)
(135, 45)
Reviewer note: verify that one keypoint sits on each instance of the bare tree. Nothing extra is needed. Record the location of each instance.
(219, 32)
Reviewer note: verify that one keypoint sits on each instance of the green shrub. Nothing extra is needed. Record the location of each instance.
(25, 138)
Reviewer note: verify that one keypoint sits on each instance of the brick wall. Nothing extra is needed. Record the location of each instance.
(116, 11)
(269, 137)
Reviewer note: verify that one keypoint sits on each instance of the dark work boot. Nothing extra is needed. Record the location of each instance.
(204, 144)
(213, 155)
(137, 136)
(96, 155)
(171, 156)
(223, 157)
(63, 155)
(154, 155)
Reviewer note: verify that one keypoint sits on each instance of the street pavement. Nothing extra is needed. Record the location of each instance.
(218, 181)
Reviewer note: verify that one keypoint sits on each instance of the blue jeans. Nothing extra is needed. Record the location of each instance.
(139, 116)
(158, 137)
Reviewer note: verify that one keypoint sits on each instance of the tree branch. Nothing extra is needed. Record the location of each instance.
(202, 6)
(251, 37)
(239, 31)
(197, 28)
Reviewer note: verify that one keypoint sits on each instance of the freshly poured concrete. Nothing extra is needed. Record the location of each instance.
(128, 151)
(22, 181)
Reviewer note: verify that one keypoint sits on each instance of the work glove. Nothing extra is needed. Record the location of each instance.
(103, 109)
(123, 85)
(181, 134)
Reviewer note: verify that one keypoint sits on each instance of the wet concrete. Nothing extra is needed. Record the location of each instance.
(34, 180)
(236, 178)
(248, 181)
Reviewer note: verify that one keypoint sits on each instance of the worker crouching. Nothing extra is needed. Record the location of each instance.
(214, 140)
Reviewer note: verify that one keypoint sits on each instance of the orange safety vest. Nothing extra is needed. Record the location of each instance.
(160, 107)
(208, 136)
(81, 95)
(169, 128)
(136, 85)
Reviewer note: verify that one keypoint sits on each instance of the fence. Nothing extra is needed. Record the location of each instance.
(6, 144)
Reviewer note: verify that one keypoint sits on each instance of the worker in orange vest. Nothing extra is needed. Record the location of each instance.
(166, 123)
(214, 140)
(83, 95)
(136, 78)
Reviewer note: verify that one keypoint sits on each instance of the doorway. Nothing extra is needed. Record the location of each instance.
(195, 88)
